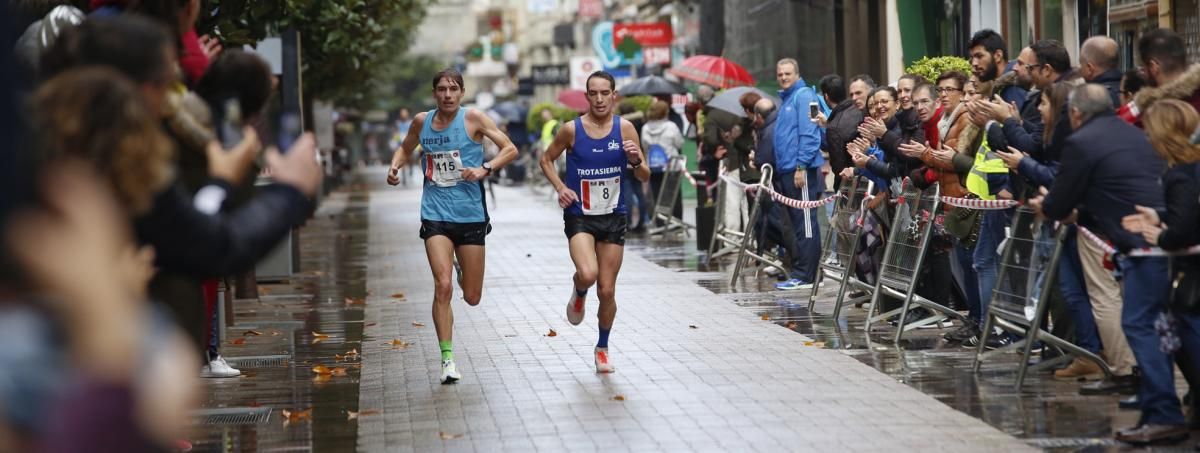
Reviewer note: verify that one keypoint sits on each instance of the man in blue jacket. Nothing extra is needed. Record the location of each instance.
(798, 162)
(1107, 169)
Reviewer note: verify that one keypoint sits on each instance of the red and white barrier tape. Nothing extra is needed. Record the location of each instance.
(1144, 251)
(801, 204)
(738, 184)
(975, 203)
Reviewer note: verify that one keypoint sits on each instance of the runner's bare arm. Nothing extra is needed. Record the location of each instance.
(634, 153)
(400, 157)
(562, 139)
(484, 126)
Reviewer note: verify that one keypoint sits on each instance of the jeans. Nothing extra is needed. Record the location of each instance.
(968, 281)
(1074, 290)
(987, 260)
(1145, 289)
(804, 221)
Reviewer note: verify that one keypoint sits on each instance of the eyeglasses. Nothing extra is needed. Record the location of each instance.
(944, 90)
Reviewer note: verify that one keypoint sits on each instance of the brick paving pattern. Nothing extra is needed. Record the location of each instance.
(730, 383)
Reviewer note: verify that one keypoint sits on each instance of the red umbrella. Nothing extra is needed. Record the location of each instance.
(574, 99)
(715, 71)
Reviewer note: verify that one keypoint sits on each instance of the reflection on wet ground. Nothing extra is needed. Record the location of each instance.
(279, 341)
(1050, 414)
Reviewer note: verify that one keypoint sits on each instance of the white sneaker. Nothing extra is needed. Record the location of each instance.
(602, 365)
(772, 271)
(218, 368)
(575, 308)
(449, 372)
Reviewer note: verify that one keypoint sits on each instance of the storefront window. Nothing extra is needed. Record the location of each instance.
(1052, 20)
(1187, 24)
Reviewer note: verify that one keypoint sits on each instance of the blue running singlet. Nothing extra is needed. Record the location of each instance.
(594, 171)
(447, 197)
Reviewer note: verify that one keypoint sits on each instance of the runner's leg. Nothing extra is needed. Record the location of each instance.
(583, 253)
(471, 259)
(440, 251)
(609, 256)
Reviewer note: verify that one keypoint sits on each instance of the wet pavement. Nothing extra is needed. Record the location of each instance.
(702, 364)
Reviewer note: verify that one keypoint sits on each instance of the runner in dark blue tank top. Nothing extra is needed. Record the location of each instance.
(599, 146)
(454, 218)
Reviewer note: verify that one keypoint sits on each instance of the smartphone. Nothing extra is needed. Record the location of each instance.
(813, 109)
(287, 130)
(230, 123)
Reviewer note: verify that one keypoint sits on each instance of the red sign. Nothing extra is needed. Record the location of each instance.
(591, 9)
(648, 35)
(656, 55)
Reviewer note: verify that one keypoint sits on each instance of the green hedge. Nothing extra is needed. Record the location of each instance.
(931, 68)
(562, 114)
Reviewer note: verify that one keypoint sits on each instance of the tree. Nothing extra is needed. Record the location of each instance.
(346, 45)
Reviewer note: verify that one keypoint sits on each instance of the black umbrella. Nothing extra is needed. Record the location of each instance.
(730, 100)
(653, 86)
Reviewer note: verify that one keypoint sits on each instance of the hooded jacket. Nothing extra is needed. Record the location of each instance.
(797, 139)
(1186, 88)
(663, 133)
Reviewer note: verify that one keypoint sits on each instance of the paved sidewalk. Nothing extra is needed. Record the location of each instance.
(730, 383)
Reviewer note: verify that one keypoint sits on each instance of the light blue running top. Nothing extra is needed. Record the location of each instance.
(444, 154)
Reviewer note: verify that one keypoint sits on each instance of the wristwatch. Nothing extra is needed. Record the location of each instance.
(488, 166)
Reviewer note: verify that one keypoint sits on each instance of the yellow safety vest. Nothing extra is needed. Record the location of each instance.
(548, 132)
(986, 161)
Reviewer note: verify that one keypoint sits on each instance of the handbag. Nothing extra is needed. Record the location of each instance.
(1185, 285)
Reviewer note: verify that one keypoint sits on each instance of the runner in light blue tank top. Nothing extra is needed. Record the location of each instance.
(447, 197)
(454, 219)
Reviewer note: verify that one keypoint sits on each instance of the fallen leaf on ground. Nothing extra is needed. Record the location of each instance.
(276, 333)
(320, 369)
(398, 343)
(248, 374)
(252, 333)
(318, 337)
(552, 333)
(351, 415)
(352, 354)
(338, 357)
(449, 436)
(238, 341)
(766, 317)
(321, 378)
(369, 324)
(339, 371)
(355, 301)
(790, 325)
(619, 398)
(398, 296)
(693, 327)
(290, 416)
(418, 324)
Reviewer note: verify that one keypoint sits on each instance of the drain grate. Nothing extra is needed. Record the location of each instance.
(258, 361)
(1069, 442)
(233, 416)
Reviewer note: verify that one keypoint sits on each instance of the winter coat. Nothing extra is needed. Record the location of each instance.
(1186, 88)
(797, 138)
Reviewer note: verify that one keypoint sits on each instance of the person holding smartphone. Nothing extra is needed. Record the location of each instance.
(454, 218)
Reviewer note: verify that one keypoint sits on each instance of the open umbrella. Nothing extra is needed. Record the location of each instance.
(574, 99)
(652, 85)
(730, 100)
(715, 71)
(510, 111)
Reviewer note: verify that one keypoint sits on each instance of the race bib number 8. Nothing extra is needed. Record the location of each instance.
(599, 196)
(444, 169)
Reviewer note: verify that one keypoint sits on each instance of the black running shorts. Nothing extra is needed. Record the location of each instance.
(605, 228)
(458, 233)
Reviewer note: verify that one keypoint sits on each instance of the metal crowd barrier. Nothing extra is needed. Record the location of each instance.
(746, 250)
(729, 239)
(667, 195)
(841, 243)
(907, 243)
(1027, 273)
